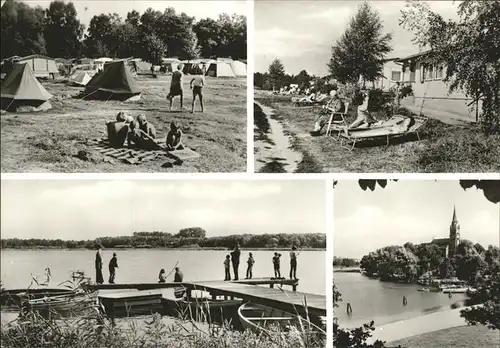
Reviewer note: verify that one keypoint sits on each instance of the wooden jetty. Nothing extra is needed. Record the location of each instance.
(247, 290)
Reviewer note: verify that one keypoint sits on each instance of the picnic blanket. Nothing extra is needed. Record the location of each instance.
(137, 156)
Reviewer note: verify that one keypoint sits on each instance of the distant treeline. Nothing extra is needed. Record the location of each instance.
(344, 262)
(152, 35)
(186, 238)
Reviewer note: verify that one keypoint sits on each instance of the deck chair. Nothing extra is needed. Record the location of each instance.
(350, 139)
(337, 119)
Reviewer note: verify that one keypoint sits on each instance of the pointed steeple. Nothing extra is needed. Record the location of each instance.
(454, 220)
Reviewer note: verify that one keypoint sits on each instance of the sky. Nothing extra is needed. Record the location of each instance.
(199, 9)
(86, 209)
(301, 33)
(414, 211)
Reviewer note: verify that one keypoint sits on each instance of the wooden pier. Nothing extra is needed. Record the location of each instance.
(247, 290)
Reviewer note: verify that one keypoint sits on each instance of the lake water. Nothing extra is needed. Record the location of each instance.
(143, 265)
(382, 302)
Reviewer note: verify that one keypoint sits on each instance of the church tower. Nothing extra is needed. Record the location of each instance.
(454, 234)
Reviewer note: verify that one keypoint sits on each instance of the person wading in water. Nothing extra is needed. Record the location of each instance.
(349, 309)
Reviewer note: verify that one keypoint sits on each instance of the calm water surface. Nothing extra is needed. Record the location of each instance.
(143, 265)
(382, 302)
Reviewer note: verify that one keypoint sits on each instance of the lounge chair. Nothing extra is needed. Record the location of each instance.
(337, 120)
(386, 130)
(307, 101)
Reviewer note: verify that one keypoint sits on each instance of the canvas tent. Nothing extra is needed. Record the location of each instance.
(114, 81)
(80, 78)
(21, 88)
(220, 69)
(239, 68)
(40, 65)
(170, 64)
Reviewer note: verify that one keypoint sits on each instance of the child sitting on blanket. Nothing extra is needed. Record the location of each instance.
(140, 139)
(174, 138)
(118, 130)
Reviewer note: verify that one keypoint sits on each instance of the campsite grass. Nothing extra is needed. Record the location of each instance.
(49, 141)
(458, 337)
(443, 148)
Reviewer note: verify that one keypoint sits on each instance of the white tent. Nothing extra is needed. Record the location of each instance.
(80, 78)
(239, 68)
(220, 69)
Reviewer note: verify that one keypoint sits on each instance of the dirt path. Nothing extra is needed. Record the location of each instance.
(275, 152)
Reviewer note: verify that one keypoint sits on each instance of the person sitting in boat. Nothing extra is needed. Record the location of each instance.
(276, 264)
(174, 138)
(250, 263)
(113, 264)
(161, 276)
(227, 268)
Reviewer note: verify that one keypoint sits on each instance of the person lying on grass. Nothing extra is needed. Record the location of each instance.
(174, 138)
(197, 83)
(176, 87)
(118, 130)
(142, 134)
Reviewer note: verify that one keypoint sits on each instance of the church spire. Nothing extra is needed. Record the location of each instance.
(454, 220)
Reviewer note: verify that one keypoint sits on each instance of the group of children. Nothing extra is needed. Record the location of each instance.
(140, 133)
(276, 265)
(176, 87)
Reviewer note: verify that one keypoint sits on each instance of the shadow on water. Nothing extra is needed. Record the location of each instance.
(273, 147)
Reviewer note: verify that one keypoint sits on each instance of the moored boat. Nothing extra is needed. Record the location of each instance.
(15, 297)
(261, 319)
(203, 309)
(76, 303)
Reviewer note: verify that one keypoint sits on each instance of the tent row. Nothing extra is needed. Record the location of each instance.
(115, 81)
(209, 67)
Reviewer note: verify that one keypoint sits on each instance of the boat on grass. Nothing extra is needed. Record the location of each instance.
(77, 303)
(261, 319)
(16, 297)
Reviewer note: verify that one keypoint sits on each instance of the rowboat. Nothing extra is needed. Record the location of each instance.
(15, 297)
(261, 319)
(77, 303)
(203, 309)
(455, 290)
(131, 303)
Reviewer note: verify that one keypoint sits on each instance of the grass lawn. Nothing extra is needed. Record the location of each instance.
(443, 149)
(48, 141)
(458, 337)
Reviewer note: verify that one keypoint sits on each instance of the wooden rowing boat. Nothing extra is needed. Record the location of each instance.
(77, 303)
(261, 319)
(132, 303)
(15, 297)
(217, 310)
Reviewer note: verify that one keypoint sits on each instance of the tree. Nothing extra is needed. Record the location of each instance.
(361, 49)
(22, 29)
(191, 232)
(469, 48)
(487, 293)
(154, 49)
(276, 73)
(63, 30)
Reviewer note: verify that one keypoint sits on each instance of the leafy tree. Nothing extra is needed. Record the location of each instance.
(154, 49)
(488, 294)
(276, 73)
(469, 47)
(22, 29)
(191, 232)
(63, 30)
(361, 49)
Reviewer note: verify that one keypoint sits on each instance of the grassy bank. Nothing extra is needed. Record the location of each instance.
(49, 141)
(97, 331)
(458, 337)
(443, 148)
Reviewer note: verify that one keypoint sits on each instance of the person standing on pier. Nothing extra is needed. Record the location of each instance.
(178, 278)
(113, 264)
(227, 268)
(293, 263)
(250, 263)
(235, 258)
(276, 264)
(99, 279)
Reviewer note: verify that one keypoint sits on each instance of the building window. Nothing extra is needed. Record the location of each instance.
(396, 76)
(439, 72)
(429, 73)
(423, 71)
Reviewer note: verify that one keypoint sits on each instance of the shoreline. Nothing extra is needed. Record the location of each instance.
(162, 248)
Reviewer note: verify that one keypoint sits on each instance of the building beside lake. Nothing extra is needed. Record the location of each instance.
(449, 245)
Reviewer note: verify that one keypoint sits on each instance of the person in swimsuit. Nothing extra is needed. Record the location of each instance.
(176, 86)
(174, 138)
(197, 83)
(364, 115)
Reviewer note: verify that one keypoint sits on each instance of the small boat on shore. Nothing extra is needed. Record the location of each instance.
(15, 297)
(203, 309)
(68, 305)
(424, 289)
(260, 319)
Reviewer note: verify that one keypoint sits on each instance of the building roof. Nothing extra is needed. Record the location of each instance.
(36, 56)
(454, 219)
(441, 241)
(416, 56)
